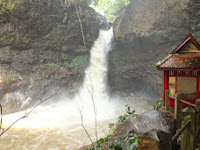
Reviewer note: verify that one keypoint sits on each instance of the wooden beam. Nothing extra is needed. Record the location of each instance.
(178, 110)
(188, 136)
(180, 131)
(197, 116)
(167, 100)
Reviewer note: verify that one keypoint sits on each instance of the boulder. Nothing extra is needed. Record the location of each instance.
(162, 123)
(155, 140)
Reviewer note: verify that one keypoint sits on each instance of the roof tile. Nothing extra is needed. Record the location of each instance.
(190, 60)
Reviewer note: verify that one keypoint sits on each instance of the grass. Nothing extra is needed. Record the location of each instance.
(52, 64)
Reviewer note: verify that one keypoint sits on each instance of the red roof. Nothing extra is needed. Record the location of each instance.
(188, 38)
(184, 60)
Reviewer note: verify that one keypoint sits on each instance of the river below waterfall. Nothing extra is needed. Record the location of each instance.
(57, 126)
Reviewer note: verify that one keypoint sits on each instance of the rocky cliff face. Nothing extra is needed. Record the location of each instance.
(41, 47)
(145, 32)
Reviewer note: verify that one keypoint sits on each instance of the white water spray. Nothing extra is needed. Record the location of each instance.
(91, 102)
(93, 92)
(58, 126)
(96, 74)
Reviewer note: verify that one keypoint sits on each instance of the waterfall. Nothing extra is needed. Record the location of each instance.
(95, 80)
(58, 125)
(90, 101)
(93, 94)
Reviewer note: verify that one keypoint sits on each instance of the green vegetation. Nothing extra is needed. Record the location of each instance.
(6, 7)
(130, 138)
(55, 32)
(194, 11)
(194, 21)
(52, 64)
(119, 60)
(161, 32)
(111, 7)
(36, 2)
(197, 35)
(73, 2)
(100, 143)
(129, 114)
(157, 104)
(78, 61)
(63, 56)
(186, 118)
(173, 46)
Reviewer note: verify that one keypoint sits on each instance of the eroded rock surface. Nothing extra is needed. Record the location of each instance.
(41, 43)
(156, 140)
(145, 32)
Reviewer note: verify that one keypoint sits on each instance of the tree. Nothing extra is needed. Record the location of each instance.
(111, 8)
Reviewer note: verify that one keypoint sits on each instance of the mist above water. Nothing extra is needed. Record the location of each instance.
(60, 123)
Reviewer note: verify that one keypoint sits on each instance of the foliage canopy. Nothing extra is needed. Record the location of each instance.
(111, 8)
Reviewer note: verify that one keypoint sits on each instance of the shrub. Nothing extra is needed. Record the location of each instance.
(157, 104)
(78, 61)
(130, 138)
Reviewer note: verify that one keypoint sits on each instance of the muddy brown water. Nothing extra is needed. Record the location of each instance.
(57, 126)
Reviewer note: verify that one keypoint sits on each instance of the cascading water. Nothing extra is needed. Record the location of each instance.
(96, 74)
(63, 119)
(58, 126)
(94, 89)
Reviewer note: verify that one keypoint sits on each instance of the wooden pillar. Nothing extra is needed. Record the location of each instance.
(165, 84)
(197, 116)
(188, 136)
(178, 110)
(197, 88)
(167, 100)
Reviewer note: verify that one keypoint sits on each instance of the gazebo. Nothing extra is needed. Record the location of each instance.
(181, 71)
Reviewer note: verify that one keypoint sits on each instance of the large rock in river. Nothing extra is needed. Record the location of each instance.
(143, 123)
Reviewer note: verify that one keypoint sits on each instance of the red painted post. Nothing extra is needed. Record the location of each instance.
(197, 89)
(165, 83)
